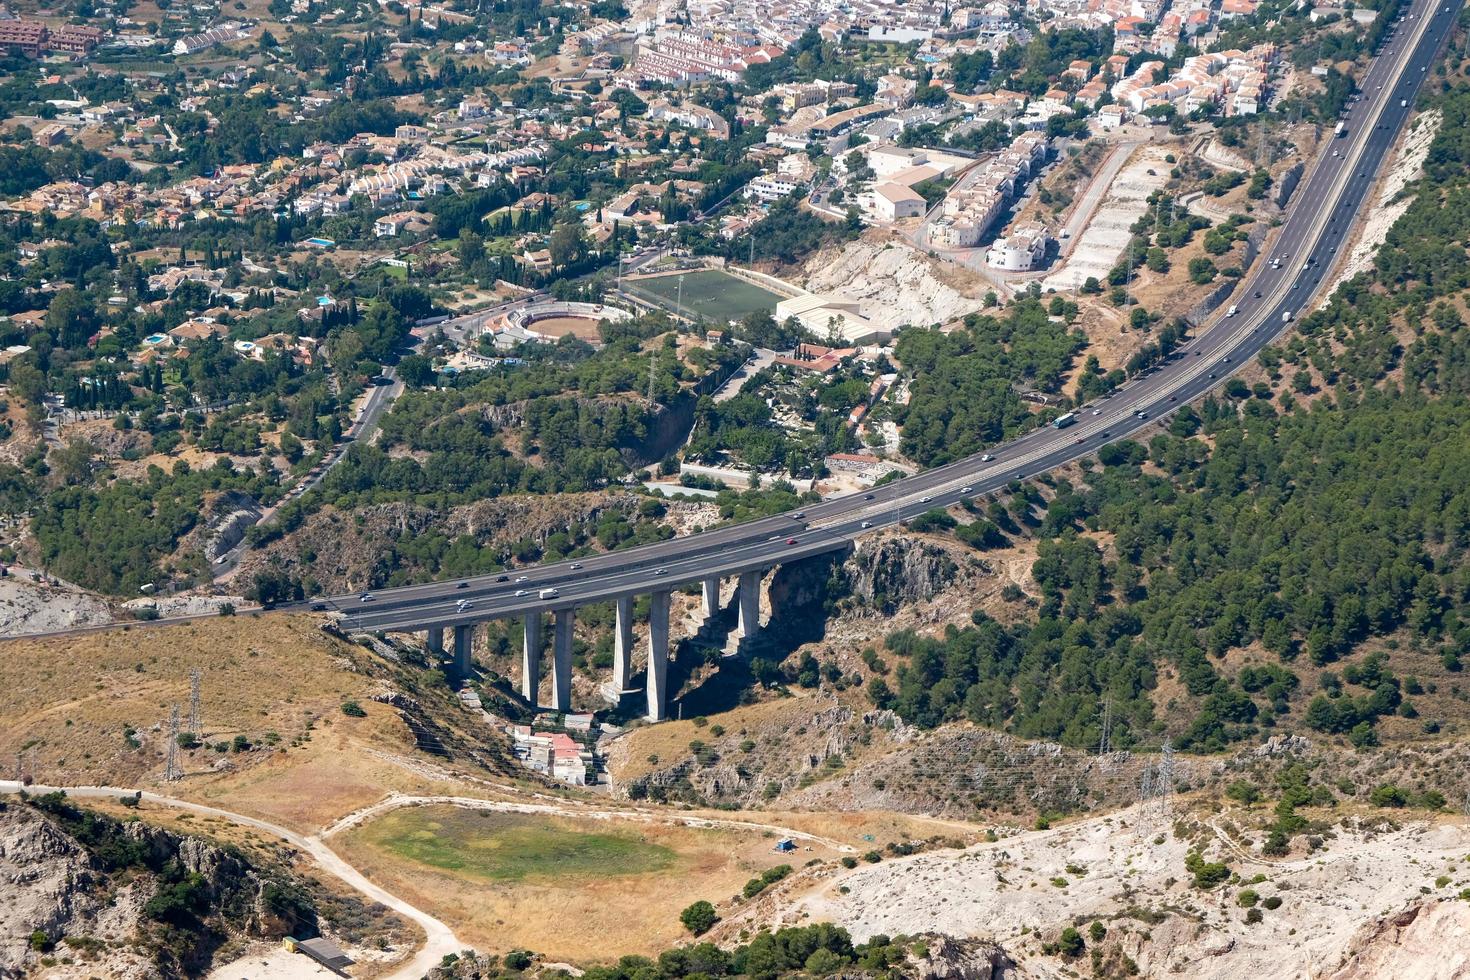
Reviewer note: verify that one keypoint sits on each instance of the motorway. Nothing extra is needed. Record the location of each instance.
(1284, 285)
(1318, 226)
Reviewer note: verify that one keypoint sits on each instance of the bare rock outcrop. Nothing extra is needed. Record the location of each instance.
(1429, 941)
(964, 959)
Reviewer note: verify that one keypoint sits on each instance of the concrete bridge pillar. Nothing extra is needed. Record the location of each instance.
(748, 597)
(434, 640)
(561, 660)
(531, 656)
(658, 656)
(464, 642)
(623, 646)
(711, 597)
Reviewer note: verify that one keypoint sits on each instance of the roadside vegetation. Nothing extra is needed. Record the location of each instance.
(1312, 515)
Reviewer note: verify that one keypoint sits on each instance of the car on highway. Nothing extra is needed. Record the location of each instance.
(925, 500)
(1097, 411)
(365, 597)
(576, 565)
(522, 578)
(520, 593)
(1232, 311)
(791, 541)
(464, 604)
(967, 489)
(867, 496)
(502, 578)
(463, 585)
(1080, 440)
(318, 607)
(1142, 415)
(986, 458)
(867, 524)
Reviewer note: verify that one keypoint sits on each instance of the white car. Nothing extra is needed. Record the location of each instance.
(520, 593)
(967, 489)
(1097, 411)
(365, 597)
(867, 524)
(986, 458)
(522, 578)
(925, 500)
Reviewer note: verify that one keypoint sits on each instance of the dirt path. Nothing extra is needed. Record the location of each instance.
(590, 812)
(439, 938)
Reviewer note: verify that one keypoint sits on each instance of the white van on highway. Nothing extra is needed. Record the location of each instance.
(1232, 311)
(549, 593)
(1286, 316)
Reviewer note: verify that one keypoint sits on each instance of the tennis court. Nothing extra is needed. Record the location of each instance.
(710, 294)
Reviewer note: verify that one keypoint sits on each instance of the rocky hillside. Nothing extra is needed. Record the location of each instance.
(1189, 893)
(407, 541)
(896, 284)
(128, 900)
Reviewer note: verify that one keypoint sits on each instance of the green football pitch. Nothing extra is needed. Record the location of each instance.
(711, 294)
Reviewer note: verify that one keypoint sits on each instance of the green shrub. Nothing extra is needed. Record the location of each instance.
(699, 917)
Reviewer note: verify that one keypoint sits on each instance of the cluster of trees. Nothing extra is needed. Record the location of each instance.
(1306, 531)
(967, 384)
(788, 234)
(544, 427)
(115, 538)
(816, 950)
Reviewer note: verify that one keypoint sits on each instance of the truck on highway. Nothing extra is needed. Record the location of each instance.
(549, 593)
(1341, 130)
(1062, 421)
(1286, 316)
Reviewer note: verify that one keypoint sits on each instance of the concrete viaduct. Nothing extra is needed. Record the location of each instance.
(562, 621)
(1312, 238)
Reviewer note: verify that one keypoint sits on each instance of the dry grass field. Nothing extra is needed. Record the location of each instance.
(93, 710)
(580, 889)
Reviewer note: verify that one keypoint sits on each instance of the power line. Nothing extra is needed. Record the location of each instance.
(171, 762)
(1105, 743)
(196, 678)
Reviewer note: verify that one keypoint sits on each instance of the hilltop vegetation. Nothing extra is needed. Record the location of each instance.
(1308, 517)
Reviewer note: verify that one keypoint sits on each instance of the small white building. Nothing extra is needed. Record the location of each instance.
(1022, 250)
(771, 187)
(894, 202)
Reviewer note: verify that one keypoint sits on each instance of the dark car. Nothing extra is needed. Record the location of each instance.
(463, 585)
(502, 578)
(318, 607)
(791, 541)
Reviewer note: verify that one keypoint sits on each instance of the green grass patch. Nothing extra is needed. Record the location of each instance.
(512, 846)
(709, 293)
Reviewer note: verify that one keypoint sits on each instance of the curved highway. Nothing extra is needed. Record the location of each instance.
(1286, 283)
